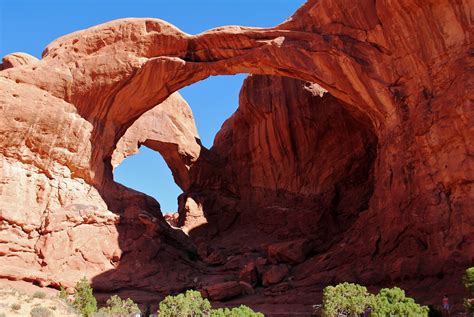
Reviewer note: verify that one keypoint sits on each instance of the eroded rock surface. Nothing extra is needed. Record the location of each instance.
(17, 59)
(375, 175)
(168, 129)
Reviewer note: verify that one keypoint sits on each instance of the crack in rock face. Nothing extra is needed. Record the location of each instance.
(349, 157)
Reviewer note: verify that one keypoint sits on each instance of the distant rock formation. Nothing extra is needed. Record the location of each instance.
(348, 159)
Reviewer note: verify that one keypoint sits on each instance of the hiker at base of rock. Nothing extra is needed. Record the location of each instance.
(446, 303)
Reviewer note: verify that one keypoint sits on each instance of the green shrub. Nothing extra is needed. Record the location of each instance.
(393, 302)
(468, 281)
(63, 294)
(241, 311)
(40, 312)
(345, 299)
(39, 294)
(84, 301)
(115, 306)
(351, 300)
(183, 305)
(469, 304)
(192, 304)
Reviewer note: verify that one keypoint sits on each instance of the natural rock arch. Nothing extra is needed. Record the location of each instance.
(113, 93)
(168, 129)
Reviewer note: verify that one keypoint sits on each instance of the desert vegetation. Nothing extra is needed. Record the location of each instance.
(468, 281)
(190, 303)
(342, 300)
(352, 300)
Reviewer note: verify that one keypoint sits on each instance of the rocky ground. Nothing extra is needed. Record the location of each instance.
(18, 299)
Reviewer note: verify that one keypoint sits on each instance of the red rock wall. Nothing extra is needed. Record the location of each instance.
(297, 163)
(55, 226)
(420, 216)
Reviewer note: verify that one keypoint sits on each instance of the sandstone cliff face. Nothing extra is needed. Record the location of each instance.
(292, 162)
(372, 182)
(56, 226)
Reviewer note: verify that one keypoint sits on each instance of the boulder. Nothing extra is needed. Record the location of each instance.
(249, 274)
(293, 252)
(246, 288)
(215, 258)
(223, 291)
(274, 274)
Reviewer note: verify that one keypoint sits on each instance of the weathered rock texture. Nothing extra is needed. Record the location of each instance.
(56, 227)
(290, 163)
(168, 129)
(372, 182)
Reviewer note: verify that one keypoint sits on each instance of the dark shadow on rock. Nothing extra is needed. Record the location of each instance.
(310, 180)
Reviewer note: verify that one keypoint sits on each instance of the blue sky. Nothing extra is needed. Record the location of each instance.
(29, 25)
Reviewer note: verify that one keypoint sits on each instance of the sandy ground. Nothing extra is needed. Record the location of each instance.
(21, 299)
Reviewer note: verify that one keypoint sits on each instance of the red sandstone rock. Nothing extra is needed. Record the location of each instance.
(260, 264)
(274, 274)
(172, 219)
(223, 291)
(168, 129)
(203, 250)
(378, 169)
(17, 59)
(280, 288)
(249, 274)
(215, 258)
(191, 214)
(247, 288)
(291, 252)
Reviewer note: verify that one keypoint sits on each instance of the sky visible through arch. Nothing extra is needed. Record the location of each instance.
(29, 25)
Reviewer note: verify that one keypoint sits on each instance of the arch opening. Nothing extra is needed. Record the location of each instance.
(288, 133)
(147, 172)
(292, 162)
(171, 130)
(256, 189)
(300, 171)
(288, 174)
